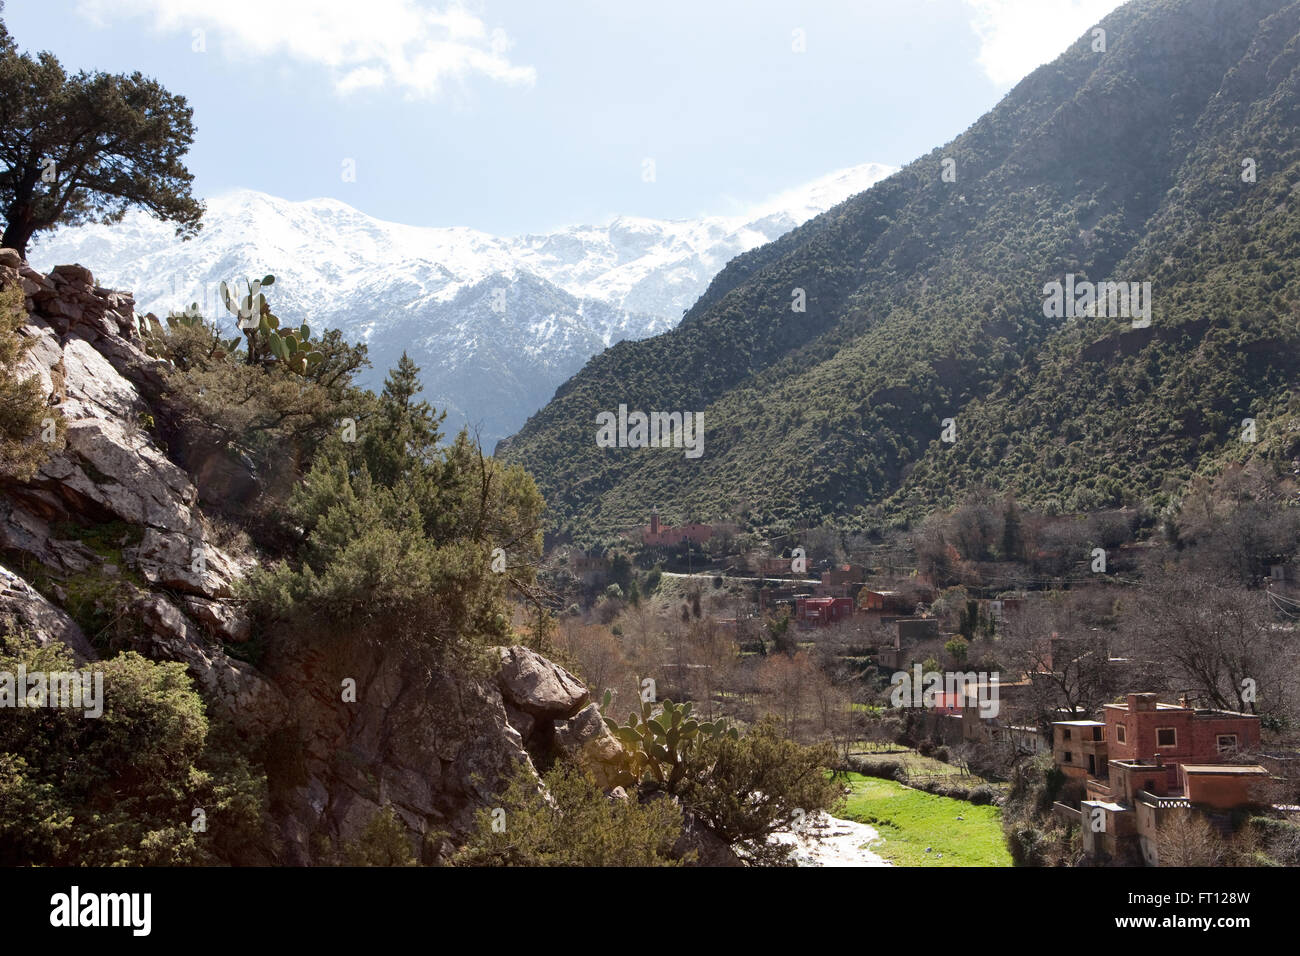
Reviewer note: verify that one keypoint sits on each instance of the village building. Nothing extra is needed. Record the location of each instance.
(661, 535)
(1146, 760)
(884, 602)
(822, 611)
(907, 633)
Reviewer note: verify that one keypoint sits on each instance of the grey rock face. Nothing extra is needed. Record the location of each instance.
(111, 506)
(25, 608)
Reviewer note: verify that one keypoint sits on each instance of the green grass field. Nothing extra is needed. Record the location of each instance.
(911, 820)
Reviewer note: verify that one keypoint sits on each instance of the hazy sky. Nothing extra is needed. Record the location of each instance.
(520, 116)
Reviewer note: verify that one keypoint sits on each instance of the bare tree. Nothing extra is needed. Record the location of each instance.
(1066, 661)
(1220, 643)
(1186, 838)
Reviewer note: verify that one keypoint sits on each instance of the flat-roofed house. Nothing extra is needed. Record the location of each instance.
(1146, 761)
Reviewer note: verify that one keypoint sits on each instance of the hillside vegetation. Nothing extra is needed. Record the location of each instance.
(925, 302)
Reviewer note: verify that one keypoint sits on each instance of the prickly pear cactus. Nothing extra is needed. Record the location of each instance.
(660, 744)
(268, 340)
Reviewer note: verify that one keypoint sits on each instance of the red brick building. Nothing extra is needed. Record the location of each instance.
(665, 535)
(1145, 760)
(1142, 727)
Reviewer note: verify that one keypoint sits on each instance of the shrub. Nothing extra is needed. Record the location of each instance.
(571, 823)
(120, 789)
(723, 793)
(23, 407)
(382, 843)
(885, 769)
(1028, 845)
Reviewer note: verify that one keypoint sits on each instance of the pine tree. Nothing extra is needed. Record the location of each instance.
(406, 431)
(86, 147)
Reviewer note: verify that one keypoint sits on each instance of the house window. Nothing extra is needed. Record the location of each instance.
(1067, 733)
(1166, 737)
(1099, 733)
(1119, 733)
(1227, 742)
(1069, 757)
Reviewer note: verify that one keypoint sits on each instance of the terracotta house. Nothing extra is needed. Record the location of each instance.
(665, 535)
(1145, 760)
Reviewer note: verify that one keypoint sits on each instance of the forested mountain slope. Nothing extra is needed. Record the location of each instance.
(925, 301)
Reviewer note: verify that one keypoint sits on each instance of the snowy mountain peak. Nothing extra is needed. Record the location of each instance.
(495, 322)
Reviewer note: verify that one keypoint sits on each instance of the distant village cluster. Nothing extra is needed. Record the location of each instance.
(1062, 684)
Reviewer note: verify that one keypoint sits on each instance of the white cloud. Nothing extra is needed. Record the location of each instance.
(1017, 36)
(408, 45)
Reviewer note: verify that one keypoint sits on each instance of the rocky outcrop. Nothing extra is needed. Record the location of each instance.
(551, 709)
(585, 736)
(23, 608)
(346, 728)
(232, 687)
(110, 467)
(371, 727)
(109, 493)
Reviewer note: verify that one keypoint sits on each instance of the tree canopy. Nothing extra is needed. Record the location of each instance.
(87, 147)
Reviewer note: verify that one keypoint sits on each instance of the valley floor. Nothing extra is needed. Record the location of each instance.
(920, 829)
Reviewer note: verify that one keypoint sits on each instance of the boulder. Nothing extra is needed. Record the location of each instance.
(538, 687)
(585, 736)
(124, 474)
(78, 278)
(183, 562)
(235, 688)
(223, 621)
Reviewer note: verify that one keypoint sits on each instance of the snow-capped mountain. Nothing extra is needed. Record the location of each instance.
(495, 323)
